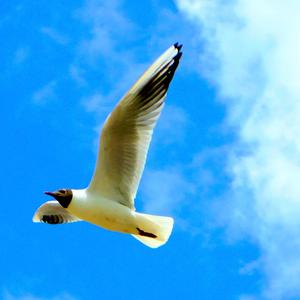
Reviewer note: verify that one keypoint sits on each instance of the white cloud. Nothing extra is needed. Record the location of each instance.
(45, 93)
(252, 56)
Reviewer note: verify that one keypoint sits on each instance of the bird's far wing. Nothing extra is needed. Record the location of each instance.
(51, 212)
(127, 132)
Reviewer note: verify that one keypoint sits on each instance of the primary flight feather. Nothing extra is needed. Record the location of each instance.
(108, 201)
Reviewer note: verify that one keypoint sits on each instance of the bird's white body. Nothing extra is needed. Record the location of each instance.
(114, 216)
(102, 212)
(108, 201)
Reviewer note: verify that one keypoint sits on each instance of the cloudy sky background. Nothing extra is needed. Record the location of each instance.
(224, 161)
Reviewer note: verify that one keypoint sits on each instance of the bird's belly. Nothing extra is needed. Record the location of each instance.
(107, 214)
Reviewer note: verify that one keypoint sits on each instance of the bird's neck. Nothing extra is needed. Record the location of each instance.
(79, 195)
(78, 202)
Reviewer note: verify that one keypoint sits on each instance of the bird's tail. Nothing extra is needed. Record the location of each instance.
(153, 231)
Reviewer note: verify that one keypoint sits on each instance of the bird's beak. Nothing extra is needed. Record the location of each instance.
(53, 194)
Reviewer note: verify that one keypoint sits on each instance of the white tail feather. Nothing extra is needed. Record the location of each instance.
(160, 227)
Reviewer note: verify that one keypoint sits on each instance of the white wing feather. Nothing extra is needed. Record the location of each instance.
(52, 212)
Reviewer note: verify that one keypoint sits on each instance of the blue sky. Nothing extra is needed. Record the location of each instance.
(224, 160)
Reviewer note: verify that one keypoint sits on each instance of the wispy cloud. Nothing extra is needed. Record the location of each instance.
(173, 124)
(164, 191)
(55, 35)
(9, 296)
(21, 55)
(252, 53)
(247, 297)
(45, 93)
(210, 165)
(93, 103)
(108, 25)
(77, 74)
(250, 267)
(104, 50)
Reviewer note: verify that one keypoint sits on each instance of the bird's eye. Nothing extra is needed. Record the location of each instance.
(62, 191)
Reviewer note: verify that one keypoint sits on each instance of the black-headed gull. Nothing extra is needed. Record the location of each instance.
(108, 201)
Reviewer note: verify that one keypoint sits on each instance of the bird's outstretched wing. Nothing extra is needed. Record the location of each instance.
(127, 132)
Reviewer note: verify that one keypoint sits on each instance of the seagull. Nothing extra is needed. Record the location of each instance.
(108, 201)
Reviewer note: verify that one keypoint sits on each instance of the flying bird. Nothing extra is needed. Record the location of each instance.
(108, 201)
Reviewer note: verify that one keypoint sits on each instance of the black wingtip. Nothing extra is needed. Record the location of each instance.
(177, 46)
(177, 56)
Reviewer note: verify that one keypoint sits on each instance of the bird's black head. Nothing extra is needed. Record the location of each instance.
(64, 197)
